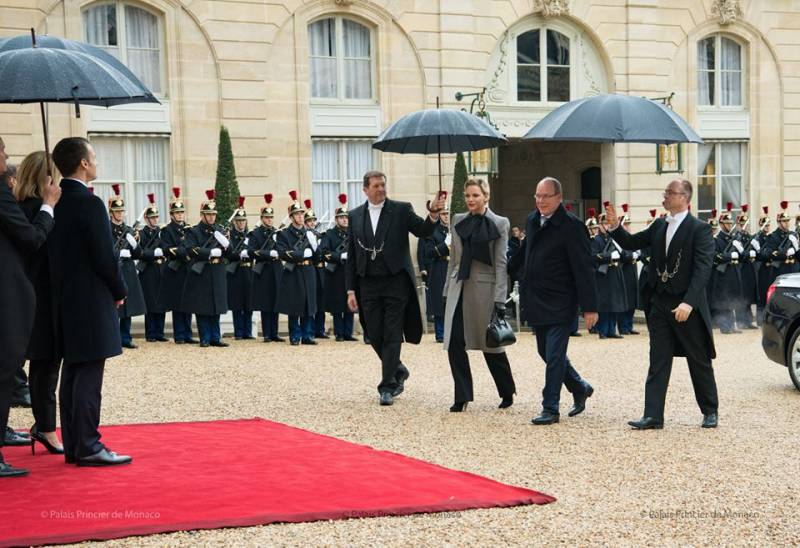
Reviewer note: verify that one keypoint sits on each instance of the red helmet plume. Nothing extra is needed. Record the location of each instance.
(268, 198)
(713, 213)
(241, 202)
(765, 209)
(745, 207)
(210, 194)
(151, 198)
(342, 199)
(729, 206)
(307, 203)
(653, 213)
(784, 204)
(293, 195)
(592, 212)
(115, 188)
(176, 191)
(625, 208)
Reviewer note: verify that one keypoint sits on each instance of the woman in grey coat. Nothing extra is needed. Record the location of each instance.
(476, 287)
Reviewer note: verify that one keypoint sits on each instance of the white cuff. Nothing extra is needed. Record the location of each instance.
(49, 209)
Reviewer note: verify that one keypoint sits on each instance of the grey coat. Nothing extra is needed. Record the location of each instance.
(485, 286)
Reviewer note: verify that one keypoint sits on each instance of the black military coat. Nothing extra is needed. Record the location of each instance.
(611, 293)
(267, 270)
(134, 305)
(297, 295)
(727, 290)
(437, 259)
(334, 244)
(173, 276)
(205, 291)
(748, 267)
(240, 273)
(151, 268)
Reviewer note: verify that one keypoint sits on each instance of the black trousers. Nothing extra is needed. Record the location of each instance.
(459, 363)
(666, 336)
(43, 381)
(80, 400)
(383, 304)
(8, 381)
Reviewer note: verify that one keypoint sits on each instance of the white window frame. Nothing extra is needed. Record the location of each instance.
(744, 148)
(718, 73)
(342, 178)
(339, 37)
(574, 61)
(122, 39)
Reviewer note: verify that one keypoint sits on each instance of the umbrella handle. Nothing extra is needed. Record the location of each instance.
(442, 193)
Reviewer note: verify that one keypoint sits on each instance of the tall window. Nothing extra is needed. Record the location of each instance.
(719, 72)
(543, 70)
(139, 164)
(720, 175)
(131, 34)
(338, 167)
(340, 59)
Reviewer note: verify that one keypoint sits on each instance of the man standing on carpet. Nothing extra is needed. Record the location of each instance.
(380, 277)
(678, 317)
(87, 290)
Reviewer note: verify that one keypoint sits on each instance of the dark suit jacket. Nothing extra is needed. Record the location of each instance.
(694, 245)
(558, 272)
(86, 278)
(396, 221)
(18, 237)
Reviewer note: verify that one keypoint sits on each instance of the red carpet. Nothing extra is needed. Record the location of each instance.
(206, 475)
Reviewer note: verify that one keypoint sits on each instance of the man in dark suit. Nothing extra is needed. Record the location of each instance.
(674, 299)
(17, 236)
(87, 289)
(380, 277)
(558, 277)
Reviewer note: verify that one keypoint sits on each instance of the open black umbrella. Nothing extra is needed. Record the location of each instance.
(437, 131)
(70, 73)
(614, 118)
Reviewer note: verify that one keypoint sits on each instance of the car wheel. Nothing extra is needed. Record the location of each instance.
(794, 359)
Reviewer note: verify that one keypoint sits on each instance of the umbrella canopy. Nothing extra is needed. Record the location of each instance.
(614, 119)
(435, 131)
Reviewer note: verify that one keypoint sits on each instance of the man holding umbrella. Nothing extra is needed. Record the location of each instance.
(380, 278)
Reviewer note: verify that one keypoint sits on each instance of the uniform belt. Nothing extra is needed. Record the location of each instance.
(215, 260)
(320, 265)
(245, 264)
(307, 262)
(734, 261)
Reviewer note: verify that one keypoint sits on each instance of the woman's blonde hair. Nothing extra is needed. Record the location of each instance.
(31, 176)
(480, 183)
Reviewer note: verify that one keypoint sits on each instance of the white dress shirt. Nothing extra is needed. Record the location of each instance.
(375, 214)
(543, 220)
(672, 226)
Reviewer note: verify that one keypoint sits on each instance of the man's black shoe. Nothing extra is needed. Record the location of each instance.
(633, 332)
(294, 343)
(129, 345)
(576, 334)
(150, 340)
(709, 421)
(162, 339)
(278, 339)
(191, 341)
(219, 344)
(22, 399)
(339, 338)
(603, 337)
(647, 423)
(309, 341)
(8, 471)
(546, 417)
(401, 381)
(350, 338)
(580, 402)
(386, 398)
(323, 336)
(204, 345)
(104, 457)
(15, 439)
(615, 336)
(249, 338)
(180, 342)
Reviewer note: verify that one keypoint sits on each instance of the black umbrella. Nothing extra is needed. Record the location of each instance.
(614, 119)
(434, 131)
(75, 74)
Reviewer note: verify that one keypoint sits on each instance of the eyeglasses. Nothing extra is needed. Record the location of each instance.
(545, 196)
(672, 192)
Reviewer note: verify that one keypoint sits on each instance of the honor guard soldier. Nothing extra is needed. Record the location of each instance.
(267, 270)
(126, 244)
(151, 268)
(310, 220)
(593, 228)
(334, 252)
(630, 274)
(611, 297)
(177, 265)
(297, 297)
(205, 292)
(781, 247)
(748, 265)
(727, 292)
(645, 259)
(240, 276)
(714, 224)
(436, 255)
(763, 264)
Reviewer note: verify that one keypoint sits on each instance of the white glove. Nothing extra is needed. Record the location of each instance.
(125, 254)
(734, 255)
(275, 236)
(738, 245)
(243, 254)
(312, 239)
(158, 252)
(216, 252)
(344, 256)
(752, 254)
(755, 245)
(307, 253)
(220, 237)
(790, 252)
(636, 255)
(615, 255)
(793, 239)
(448, 239)
(131, 240)
(273, 254)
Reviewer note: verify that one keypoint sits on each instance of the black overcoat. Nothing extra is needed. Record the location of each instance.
(297, 295)
(151, 268)
(240, 273)
(267, 270)
(205, 293)
(174, 274)
(611, 293)
(334, 245)
(134, 305)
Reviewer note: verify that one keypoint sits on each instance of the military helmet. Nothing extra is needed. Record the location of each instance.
(240, 213)
(267, 211)
(652, 218)
(727, 215)
(744, 217)
(116, 203)
(310, 215)
(209, 205)
(783, 216)
(295, 206)
(341, 211)
(626, 218)
(712, 220)
(176, 204)
(151, 210)
(591, 220)
(764, 219)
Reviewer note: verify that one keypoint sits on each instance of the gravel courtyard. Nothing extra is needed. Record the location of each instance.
(679, 486)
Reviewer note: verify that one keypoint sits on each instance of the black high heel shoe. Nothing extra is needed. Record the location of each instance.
(458, 407)
(37, 436)
(507, 402)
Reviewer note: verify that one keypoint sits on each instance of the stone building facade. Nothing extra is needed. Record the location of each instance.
(304, 86)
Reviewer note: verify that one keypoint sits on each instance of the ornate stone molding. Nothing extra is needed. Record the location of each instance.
(727, 11)
(552, 8)
(343, 2)
(496, 89)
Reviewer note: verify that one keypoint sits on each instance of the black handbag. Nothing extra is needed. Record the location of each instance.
(499, 333)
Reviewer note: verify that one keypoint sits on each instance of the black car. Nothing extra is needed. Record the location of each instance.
(781, 328)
